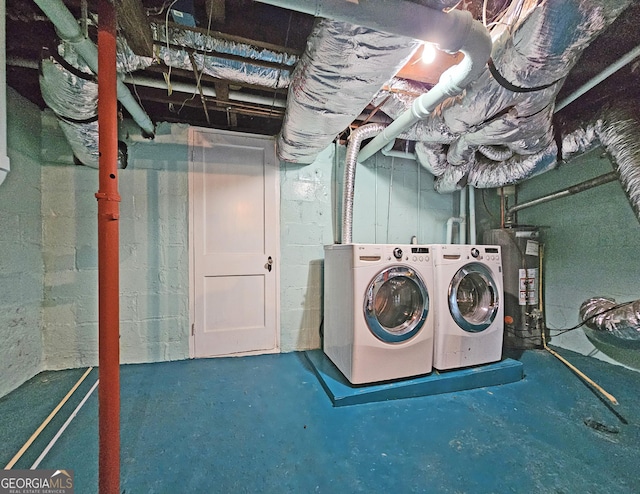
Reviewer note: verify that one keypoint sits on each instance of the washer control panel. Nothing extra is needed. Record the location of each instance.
(410, 253)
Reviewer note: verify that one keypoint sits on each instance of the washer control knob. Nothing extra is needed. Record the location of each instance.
(397, 253)
(475, 252)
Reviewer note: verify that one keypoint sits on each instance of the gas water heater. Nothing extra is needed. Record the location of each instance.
(520, 247)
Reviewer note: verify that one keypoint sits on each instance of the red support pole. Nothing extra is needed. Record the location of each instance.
(108, 256)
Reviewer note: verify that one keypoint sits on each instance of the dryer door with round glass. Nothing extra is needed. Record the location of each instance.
(473, 298)
(396, 304)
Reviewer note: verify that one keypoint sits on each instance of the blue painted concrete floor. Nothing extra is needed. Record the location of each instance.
(264, 425)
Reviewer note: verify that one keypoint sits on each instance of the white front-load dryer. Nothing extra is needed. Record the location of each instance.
(469, 307)
(378, 321)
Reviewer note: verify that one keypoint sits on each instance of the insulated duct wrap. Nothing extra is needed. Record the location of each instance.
(340, 71)
(511, 105)
(71, 92)
(541, 49)
(73, 97)
(272, 69)
(127, 61)
(619, 320)
(617, 129)
(620, 136)
(83, 139)
(68, 88)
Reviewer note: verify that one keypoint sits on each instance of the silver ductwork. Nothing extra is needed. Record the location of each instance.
(619, 320)
(510, 105)
(69, 31)
(616, 128)
(322, 88)
(342, 68)
(69, 89)
(351, 161)
(213, 55)
(249, 65)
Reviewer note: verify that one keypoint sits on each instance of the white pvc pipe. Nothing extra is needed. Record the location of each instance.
(610, 70)
(451, 31)
(450, 222)
(64, 427)
(472, 216)
(389, 151)
(462, 234)
(5, 166)
(183, 87)
(460, 220)
(476, 46)
(69, 31)
(401, 17)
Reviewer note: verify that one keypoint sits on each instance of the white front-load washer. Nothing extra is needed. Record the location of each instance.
(469, 307)
(378, 321)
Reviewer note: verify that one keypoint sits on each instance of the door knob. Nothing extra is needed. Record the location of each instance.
(269, 264)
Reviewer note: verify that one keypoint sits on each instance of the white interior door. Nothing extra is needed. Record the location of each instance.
(234, 237)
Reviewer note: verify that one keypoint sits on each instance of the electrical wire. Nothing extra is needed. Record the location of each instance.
(167, 76)
(286, 42)
(158, 10)
(199, 73)
(484, 203)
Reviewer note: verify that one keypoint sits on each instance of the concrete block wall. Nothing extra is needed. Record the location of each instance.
(21, 266)
(394, 200)
(306, 214)
(53, 224)
(154, 258)
(591, 243)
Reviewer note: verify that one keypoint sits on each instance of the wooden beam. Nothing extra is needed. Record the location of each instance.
(134, 25)
(222, 96)
(216, 10)
(197, 79)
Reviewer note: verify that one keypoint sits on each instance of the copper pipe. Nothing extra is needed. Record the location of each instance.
(108, 256)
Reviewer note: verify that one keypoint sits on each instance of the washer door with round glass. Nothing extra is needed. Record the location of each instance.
(473, 298)
(396, 304)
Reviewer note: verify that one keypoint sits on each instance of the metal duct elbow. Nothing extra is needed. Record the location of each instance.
(619, 136)
(67, 85)
(355, 140)
(486, 174)
(619, 320)
(617, 128)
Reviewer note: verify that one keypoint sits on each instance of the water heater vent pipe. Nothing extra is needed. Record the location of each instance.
(574, 189)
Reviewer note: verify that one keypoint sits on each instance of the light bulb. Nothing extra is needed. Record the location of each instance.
(428, 53)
